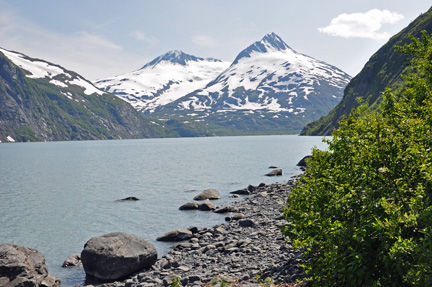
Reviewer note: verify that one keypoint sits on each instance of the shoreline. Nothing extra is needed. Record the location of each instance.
(246, 250)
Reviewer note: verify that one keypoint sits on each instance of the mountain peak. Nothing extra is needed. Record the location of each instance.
(273, 41)
(175, 57)
(270, 42)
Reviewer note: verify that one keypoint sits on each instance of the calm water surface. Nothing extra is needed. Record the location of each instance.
(55, 196)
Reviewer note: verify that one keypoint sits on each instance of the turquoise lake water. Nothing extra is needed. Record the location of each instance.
(55, 196)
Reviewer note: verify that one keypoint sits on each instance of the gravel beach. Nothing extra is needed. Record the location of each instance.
(246, 250)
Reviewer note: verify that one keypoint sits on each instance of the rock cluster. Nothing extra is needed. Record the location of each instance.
(247, 249)
(21, 266)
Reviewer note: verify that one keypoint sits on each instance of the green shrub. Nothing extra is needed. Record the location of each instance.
(362, 213)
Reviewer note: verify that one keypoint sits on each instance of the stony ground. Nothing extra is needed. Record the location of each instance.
(246, 250)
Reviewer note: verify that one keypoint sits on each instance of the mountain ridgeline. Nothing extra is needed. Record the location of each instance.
(383, 70)
(268, 89)
(40, 101)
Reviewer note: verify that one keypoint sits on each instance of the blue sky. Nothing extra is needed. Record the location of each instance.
(105, 38)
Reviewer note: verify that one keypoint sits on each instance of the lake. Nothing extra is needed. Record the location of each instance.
(55, 196)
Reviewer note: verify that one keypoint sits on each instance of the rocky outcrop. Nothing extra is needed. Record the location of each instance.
(21, 266)
(176, 235)
(116, 255)
(275, 172)
(73, 260)
(208, 194)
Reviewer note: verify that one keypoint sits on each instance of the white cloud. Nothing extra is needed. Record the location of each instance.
(205, 41)
(362, 25)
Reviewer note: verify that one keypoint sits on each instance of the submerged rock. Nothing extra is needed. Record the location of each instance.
(208, 194)
(23, 266)
(130, 198)
(275, 172)
(115, 255)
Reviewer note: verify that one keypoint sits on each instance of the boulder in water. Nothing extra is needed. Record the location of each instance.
(208, 194)
(189, 206)
(129, 198)
(275, 172)
(207, 206)
(116, 255)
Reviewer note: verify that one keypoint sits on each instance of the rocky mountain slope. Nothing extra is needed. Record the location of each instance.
(40, 101)
(163, 80)
(383, 70)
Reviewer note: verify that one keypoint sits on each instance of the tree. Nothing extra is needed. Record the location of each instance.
(362, 213)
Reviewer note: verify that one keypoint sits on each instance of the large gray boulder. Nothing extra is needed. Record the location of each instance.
(116, 255)
(176, 235)
(208, 194)
(21, 266)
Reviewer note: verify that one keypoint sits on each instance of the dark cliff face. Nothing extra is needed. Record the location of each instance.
(35, 110)
(383, 70)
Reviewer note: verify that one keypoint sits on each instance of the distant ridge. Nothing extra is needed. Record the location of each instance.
(383, 70)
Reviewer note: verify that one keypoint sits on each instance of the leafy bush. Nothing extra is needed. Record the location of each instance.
(362, 213)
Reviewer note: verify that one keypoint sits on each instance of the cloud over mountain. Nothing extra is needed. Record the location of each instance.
(361, 25)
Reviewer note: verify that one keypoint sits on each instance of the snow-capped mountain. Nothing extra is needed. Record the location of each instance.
(269, 88)
(39, 69)
(163, 80)
(270, 76)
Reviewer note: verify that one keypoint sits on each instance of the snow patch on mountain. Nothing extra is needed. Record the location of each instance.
(38, 69)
